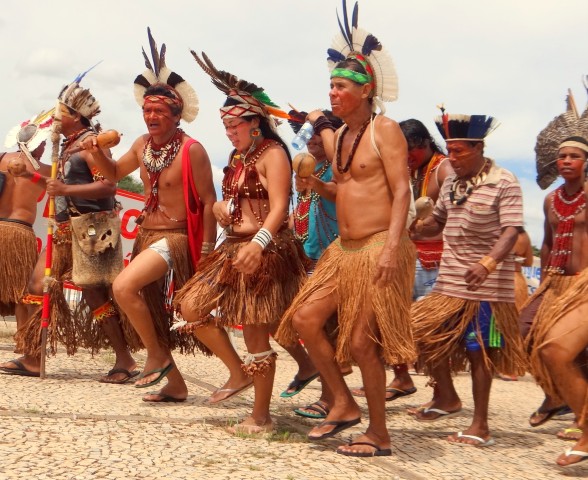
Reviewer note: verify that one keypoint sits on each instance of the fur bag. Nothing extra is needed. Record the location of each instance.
(96, 248)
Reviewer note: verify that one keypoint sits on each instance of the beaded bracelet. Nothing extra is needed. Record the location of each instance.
(263, 237)
(488, 263)
(321, 123)
(207, 247)
(36, 177)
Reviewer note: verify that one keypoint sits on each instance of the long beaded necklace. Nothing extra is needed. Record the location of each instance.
(156, 158)
(311, 200)
(344, 169)
(461, 189)
(70, 140)
(230, 186)
(565, 207)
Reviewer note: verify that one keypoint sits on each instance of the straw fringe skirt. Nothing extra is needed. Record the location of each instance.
(74, 329)
(259, 298)
(18, 244)
(575, 295)
(346, 269)
(439, 324)
(521, 290)
(154, 295)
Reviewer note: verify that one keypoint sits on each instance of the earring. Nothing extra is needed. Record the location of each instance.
(255, 133)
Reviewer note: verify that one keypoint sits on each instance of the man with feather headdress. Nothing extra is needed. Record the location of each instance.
(177, 226)
(561, 149)
(18, 210)
(366, 275)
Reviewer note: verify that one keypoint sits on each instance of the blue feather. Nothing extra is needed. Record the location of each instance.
(355, 15)
(479, 126)
(371, 43)
(80, 76)
(343, 32)
(335, 56)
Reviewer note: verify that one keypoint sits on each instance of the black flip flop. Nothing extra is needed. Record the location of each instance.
(162, 373)
(297, 385)
(114, 371)
(398, 392)
(164, 398)
(378, 452)
(20, 370)
(549, 413)
(321, 409)
(340, 425)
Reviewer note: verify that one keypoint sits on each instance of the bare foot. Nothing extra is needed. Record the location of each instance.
(250, 426)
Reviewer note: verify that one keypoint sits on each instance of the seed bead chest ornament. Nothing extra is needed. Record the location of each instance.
(566, 130)
(466, 128)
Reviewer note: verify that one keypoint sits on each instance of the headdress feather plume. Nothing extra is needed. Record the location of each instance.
(158, 73)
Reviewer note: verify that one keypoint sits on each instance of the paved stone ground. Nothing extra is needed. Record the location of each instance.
(69, 426)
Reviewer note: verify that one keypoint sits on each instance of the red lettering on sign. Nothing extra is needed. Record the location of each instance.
(124, 229)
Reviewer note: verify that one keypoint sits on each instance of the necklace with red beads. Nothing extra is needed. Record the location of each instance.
(565, 207)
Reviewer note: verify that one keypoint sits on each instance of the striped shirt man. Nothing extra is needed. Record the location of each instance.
(472, 229)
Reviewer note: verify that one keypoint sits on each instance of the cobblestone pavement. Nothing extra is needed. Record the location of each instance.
(69, 426)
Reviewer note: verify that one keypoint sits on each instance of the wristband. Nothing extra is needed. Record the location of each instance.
(263, 237)
(488, 263)
(207, 247)
(321, 123)
(36, 177)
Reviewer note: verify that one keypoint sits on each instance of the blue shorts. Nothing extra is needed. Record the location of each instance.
(485, 324)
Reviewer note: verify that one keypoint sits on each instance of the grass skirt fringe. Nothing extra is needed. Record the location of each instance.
(259, 298)
(18, 244)
(521, 290)
(154, 295)
(574, 296)
(439, 324)
(346, 269)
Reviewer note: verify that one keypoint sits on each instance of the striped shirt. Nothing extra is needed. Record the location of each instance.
(472, 229)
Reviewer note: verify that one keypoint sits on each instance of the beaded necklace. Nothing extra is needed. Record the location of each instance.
(230, 188)
(565, 207)
(71, 139)
(461, 189)
(156, 158)
(344, 169)
(311, 200)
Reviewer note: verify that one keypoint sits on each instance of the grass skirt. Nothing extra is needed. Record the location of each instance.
(521, 290)
(440, 322)
(346, 269)
(74, 329)
(259, 298)
(18, 244)
(154, 295)
(574, 295)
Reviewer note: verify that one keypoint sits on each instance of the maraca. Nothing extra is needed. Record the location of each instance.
(303, 164)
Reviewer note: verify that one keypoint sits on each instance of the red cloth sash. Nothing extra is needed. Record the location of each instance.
(429, 253)
(194, 210)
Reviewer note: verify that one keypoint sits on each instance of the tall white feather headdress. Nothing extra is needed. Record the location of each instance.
(29, 134)
(353, 41)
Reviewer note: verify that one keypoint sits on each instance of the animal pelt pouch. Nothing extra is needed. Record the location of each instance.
(96, 248)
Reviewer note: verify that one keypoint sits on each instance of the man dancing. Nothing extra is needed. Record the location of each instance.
(366, 275)
(176, 227)
(471, 312)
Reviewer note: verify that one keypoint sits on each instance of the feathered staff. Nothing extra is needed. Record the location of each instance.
(55, 137)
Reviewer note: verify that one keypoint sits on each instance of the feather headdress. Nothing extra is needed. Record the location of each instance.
(79, 99)
(158, 73)
(29, 134)
(249, 99)
(549, 141)
(458, 127)
(354, 42)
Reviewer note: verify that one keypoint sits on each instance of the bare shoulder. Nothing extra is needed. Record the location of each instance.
(387, 131)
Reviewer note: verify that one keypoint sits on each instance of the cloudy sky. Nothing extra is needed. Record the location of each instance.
(511, 59)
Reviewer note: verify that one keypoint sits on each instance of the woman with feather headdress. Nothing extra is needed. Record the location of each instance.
(251, 278)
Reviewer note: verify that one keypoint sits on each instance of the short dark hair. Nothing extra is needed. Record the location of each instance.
(355, 66)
